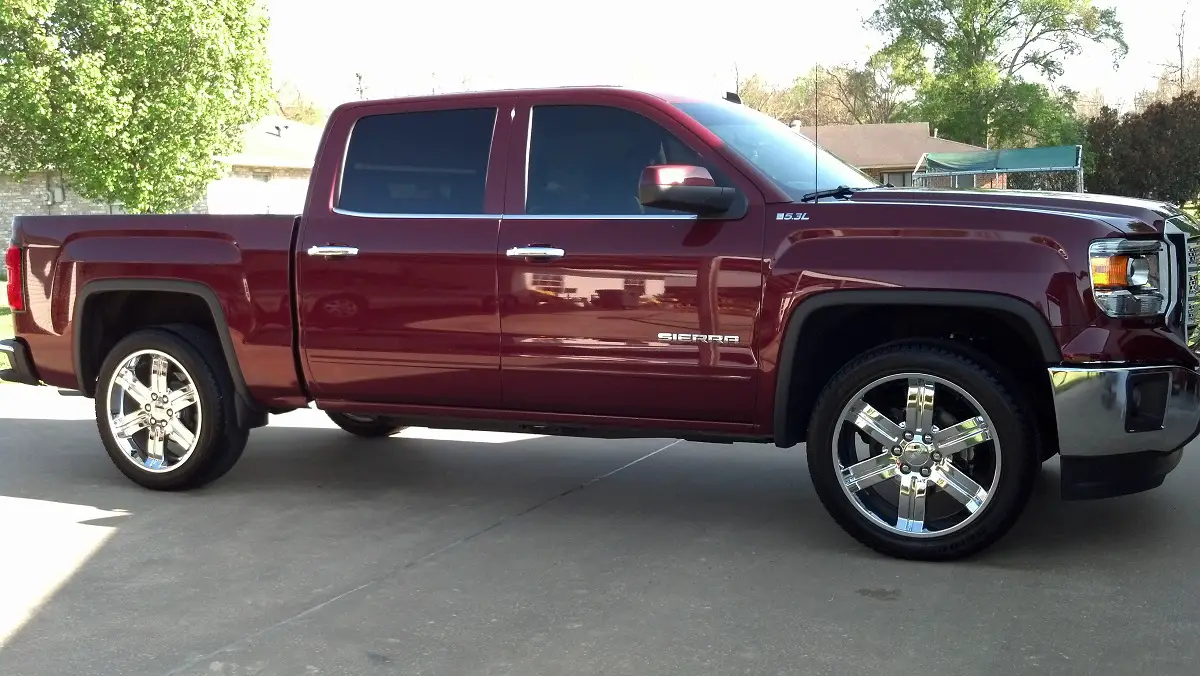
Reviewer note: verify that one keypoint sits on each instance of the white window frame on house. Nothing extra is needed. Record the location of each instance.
(899, 179)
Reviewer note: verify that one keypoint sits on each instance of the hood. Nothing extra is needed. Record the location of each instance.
(1124, 213)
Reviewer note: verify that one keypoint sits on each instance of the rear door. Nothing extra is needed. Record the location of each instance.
(396, 267)
(606, 323)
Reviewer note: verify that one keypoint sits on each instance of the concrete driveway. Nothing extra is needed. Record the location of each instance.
(459, 554)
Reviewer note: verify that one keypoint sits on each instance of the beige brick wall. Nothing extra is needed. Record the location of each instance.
(275, 172)
(28, 198)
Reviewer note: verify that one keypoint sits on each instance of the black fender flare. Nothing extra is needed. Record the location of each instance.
(248, 410)
(984, 300)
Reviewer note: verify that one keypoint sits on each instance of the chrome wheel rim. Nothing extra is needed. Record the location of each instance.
(928, 475)
(154, 412)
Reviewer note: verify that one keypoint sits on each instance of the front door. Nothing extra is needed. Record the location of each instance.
(397, 274)
(604, 301)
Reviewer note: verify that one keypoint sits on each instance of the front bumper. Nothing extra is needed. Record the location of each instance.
(16, 364)
(1121, 430)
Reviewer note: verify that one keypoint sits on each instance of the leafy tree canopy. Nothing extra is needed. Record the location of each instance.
(970, 61)
(1151, 154)
(133, 101)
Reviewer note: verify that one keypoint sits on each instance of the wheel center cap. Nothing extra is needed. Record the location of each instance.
(916, 454)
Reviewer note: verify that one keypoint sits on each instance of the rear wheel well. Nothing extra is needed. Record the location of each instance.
(832, 336)
(109, 316)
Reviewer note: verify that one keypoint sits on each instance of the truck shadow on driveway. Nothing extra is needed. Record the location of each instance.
(718, 487)
(309, 515)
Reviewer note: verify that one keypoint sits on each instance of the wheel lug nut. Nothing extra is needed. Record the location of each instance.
(935, 456)
(905, 469)
(896, 450)
(924, 471)
(908, 436)
(929, 438)
(147, 408)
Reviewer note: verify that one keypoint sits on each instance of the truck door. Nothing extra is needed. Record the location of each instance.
(604, 301)
(396, 265)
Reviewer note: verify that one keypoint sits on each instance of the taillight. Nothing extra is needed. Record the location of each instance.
(16, 290)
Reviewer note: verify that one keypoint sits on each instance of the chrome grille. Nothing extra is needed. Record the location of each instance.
(1191, 298)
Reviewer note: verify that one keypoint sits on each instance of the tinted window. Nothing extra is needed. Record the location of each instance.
(786, 157)
(432, 162)
(587, 160)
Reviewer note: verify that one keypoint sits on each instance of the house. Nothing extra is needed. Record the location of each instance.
(269, 175)
(890, 152)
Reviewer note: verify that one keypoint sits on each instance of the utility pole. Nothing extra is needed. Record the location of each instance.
(362, 90)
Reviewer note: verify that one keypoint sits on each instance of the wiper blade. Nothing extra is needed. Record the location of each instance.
(841, 191)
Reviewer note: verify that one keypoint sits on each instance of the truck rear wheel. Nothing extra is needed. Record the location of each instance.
(165, 409)
(363, 425)
(920, 451)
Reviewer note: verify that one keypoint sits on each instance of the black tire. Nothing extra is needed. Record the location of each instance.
(363, 425)
(220, 439)
(1018, 456)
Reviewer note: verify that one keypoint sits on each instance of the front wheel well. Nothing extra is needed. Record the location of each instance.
(833, 335)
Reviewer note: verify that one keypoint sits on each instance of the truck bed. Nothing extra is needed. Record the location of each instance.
(118, 268)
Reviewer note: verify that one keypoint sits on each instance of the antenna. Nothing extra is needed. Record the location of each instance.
(816, 129)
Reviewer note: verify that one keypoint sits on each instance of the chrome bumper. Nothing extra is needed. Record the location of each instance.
(1121, 430)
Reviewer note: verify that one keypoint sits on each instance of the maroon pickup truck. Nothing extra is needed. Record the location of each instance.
(610, 263)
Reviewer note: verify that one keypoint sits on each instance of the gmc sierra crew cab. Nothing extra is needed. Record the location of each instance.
(612, 263)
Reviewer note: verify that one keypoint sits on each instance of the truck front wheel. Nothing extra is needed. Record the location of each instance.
(165, 409)
(362, 425)
(920, 451)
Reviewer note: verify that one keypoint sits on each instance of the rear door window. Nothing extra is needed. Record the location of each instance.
(426, 162)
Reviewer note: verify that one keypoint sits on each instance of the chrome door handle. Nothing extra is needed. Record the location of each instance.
(332, 251)
(535, 252)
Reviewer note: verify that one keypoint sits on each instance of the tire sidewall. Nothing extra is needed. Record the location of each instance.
(379, 427)
(213, 406)
(1012, 429)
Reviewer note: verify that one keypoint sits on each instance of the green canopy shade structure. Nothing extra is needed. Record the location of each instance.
(1005, 161)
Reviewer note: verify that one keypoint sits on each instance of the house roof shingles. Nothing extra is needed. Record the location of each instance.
(872, 146)
(278, 142)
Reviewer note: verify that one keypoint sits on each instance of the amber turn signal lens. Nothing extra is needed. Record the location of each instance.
(1110, 272)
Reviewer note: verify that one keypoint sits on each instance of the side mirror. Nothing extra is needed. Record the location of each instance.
(685, 188)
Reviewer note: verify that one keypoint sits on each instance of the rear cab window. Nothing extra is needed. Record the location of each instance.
(428, 162)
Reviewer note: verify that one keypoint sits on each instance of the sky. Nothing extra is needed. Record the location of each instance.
(411, 47)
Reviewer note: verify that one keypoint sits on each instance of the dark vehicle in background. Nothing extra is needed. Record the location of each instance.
(611, 263)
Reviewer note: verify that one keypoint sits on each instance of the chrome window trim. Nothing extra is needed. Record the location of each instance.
(527, 217)
(601, 217)
(367, 214)
(341, 177)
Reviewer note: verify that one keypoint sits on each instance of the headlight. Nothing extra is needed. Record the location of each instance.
(1130, 277)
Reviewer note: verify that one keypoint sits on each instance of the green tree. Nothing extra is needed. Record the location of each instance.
(868, 95)
(132, 101)
(294, 105)
(971, 60)
(1151, 154)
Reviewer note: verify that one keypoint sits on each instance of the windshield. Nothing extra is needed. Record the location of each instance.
(789, 159)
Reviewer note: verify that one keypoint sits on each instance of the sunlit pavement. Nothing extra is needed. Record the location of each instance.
(452, 553)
